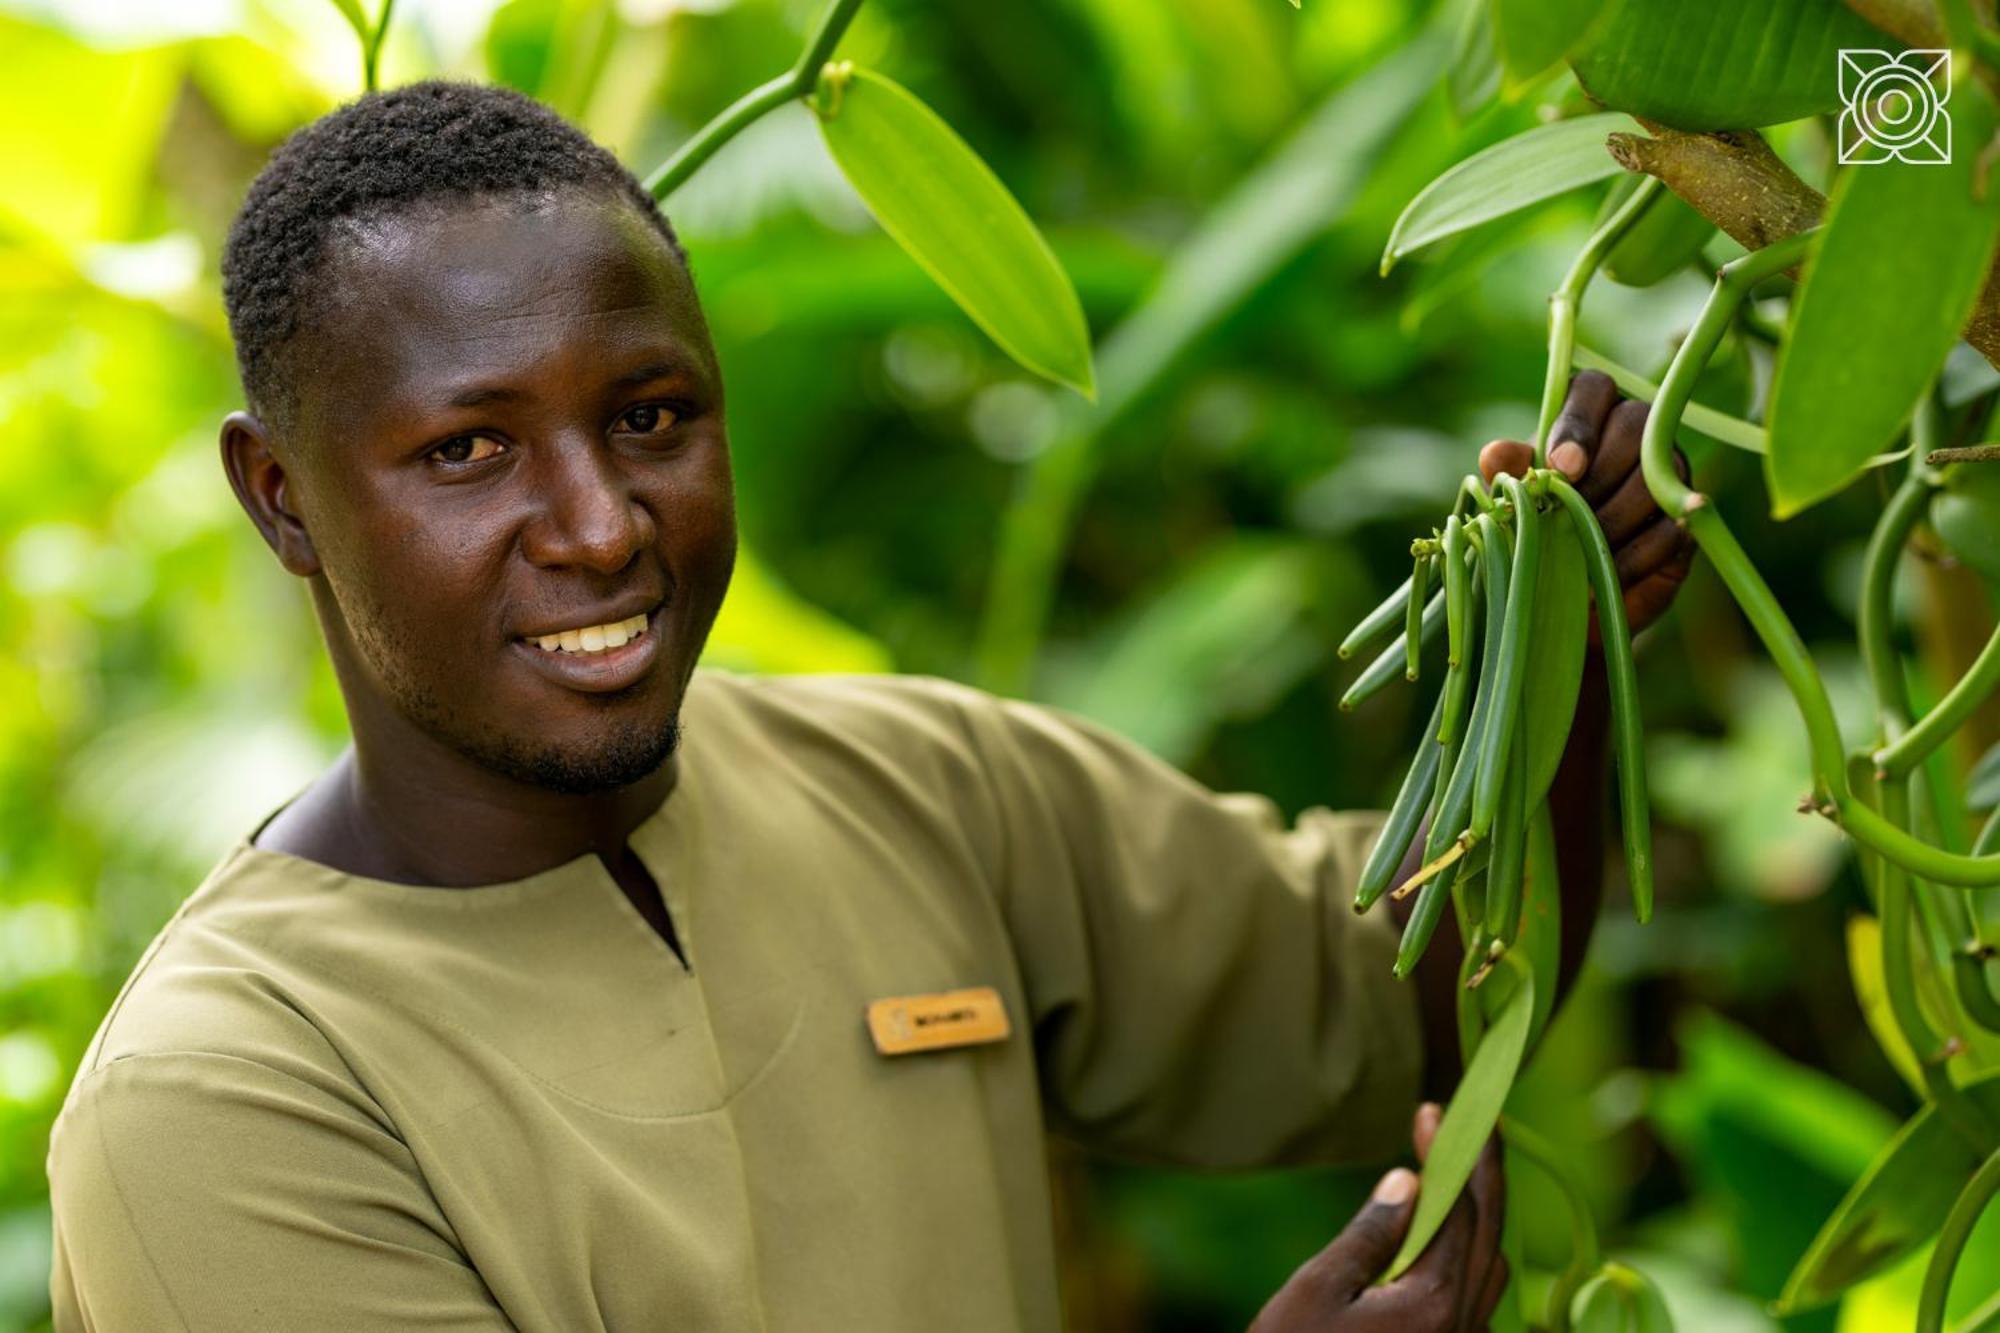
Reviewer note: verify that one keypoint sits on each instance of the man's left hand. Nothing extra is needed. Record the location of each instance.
(1595, 443)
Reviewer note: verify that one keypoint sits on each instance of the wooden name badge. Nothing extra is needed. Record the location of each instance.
(903, 1024)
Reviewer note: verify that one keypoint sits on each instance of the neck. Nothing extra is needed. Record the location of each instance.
(438, 818)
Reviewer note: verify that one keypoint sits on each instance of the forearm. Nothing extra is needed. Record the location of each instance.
(1576, 802)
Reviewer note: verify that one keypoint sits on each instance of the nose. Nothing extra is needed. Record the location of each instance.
(588, 515)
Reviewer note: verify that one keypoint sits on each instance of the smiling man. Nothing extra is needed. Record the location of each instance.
(587, 991)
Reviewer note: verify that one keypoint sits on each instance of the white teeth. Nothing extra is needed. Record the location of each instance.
(593, 638)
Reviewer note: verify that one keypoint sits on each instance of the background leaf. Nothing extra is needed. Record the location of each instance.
(1666, 240)
(1896, 1206)
(932, 193)
(1721, 64)
(1887, 287)
(1533, 166)
(1534, 35)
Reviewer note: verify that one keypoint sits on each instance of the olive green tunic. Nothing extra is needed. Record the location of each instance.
(325, 1102)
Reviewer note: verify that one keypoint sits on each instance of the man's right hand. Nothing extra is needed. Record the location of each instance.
(1452, 1286)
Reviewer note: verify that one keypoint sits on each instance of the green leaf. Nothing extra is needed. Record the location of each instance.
(1535, 34)
(1472, 74)
(1558, 632)
(351, 11)
(1720, 64)
(1660, 244)
(1864, 970)
(1620, 1300)
(1897, 1205)
(1474, 1111)
(945, 207)
(1887, 288)
(1982, 789)
(1966, 514)
(1513, 174)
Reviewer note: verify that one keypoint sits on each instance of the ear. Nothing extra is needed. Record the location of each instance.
(264, 490)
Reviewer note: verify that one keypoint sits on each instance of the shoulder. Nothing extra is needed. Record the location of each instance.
(880, 715)
(206, 1001)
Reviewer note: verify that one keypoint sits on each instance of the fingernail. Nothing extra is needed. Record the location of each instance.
(1397, 1188)
(1428, 1116)
(1569, 459)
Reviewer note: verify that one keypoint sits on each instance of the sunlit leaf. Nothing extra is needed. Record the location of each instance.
(932, 193)
(1864, 969)
(1720, 64)
(1886, 290)
(1896, 1206)
(1531, 167)
(1474, 1110)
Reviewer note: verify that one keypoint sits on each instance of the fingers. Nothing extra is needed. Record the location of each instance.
(1573, 437)
(1357, 1256)
(1617, 456)
(1489, 1198)
(1659, 542)
(1648, 599)
(1424, 1128)
(1489, 1299)
(1509, 456)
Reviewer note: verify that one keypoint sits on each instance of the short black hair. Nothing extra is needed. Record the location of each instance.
(379, 155)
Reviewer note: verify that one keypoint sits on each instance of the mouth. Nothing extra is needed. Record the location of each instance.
(600, 658)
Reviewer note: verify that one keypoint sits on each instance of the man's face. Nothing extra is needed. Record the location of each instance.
(512, 427)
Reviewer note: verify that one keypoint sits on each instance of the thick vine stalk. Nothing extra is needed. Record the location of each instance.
(1567, 299)
(1831, 796)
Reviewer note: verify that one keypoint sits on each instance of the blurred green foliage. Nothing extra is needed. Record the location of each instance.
(162, 684)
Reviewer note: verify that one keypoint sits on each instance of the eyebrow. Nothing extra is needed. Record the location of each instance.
(481, 395)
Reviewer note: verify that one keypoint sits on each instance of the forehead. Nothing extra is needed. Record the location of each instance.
(503, 288)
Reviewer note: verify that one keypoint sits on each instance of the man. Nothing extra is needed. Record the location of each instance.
(542, 1010)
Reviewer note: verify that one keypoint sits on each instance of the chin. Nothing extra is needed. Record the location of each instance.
(617, 757)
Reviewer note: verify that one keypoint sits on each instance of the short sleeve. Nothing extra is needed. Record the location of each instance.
(1203, 992)
(208, 1192)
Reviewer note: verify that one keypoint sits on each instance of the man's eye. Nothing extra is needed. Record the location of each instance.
(648, 419)
(457, 449)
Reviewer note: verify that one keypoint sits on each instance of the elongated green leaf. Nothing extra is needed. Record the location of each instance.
(1534, 34)
(1620, 1300)
(1474, 1111)
(1720, 64)
(1472, 74)
(1886, 290)
(1660, 244)
(351, 11)
(1896, 1206)
(932, 193)
(1513, 174)
(1556, 640)
(1864, 971)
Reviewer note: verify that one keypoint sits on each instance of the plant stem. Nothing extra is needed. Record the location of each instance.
(371, 54)
(1584, 1255)
(1759, 604)
(1957, 1230)
(1567, 300)
(1745, 435)
(1904, 753)
(798, 81)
